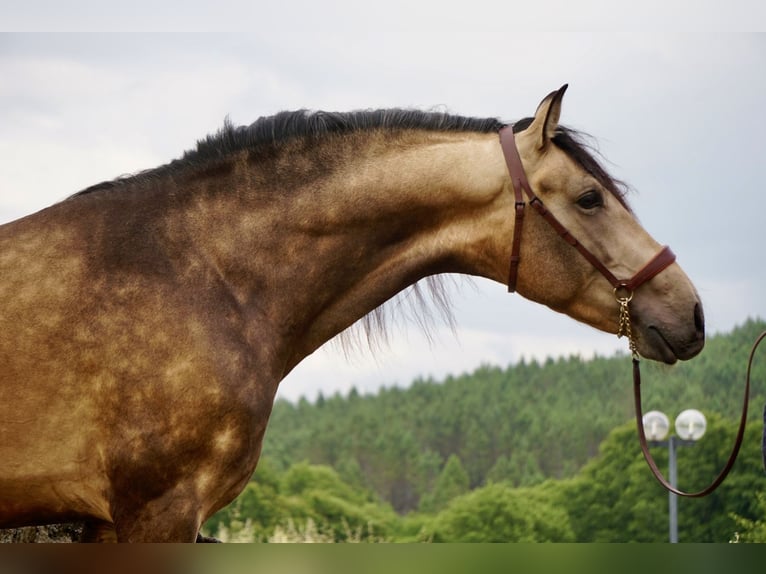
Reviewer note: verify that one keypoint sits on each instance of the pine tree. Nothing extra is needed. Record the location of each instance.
(452, 482)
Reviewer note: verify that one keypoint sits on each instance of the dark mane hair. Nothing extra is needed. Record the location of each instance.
(273, 131)
(286, 126)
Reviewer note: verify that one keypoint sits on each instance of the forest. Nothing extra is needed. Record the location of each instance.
(530, 452)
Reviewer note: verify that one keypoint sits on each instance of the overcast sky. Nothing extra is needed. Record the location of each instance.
(678, 114)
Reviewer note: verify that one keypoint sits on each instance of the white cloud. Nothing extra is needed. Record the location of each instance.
(69, 124)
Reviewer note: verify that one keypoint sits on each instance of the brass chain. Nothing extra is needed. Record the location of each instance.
(625, 329)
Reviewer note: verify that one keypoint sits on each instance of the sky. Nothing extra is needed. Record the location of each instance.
(677, 110)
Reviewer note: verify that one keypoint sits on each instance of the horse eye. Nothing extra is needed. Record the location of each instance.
(590, 200)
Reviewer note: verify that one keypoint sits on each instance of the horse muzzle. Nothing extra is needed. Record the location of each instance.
(668, 337)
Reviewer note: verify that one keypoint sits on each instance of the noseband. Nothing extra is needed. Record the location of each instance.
(623, 291)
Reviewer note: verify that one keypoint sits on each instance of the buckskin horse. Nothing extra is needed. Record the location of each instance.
(147, 322)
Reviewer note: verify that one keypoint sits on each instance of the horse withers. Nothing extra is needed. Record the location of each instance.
(147, 322)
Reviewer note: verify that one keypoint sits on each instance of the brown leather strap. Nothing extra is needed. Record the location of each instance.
(737, 443)
(513, 272)
(569, 238)
(521, 186)
(763, 440)
(661, 261)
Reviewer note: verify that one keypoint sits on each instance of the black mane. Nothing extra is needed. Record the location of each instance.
(272, 131)
(314, 124)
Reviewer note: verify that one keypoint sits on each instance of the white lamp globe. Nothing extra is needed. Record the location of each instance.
(656, 425)
(691, 424)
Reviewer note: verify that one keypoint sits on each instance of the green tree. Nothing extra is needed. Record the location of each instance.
(498, 513)
(616, 499)
(752, 530)
(318, 493)
(452, 482)
(502, 471)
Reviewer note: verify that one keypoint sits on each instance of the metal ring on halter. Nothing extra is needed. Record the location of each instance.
(627, 299)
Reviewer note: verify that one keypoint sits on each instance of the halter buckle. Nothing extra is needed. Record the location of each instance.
(627, 298)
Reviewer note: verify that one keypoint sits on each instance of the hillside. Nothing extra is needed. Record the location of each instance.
(520, 425)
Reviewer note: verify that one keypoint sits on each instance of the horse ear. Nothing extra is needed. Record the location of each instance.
(547, 117)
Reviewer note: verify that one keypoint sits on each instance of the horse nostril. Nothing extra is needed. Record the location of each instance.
(699, 321)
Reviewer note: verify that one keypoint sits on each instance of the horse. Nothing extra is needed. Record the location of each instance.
(147, 322)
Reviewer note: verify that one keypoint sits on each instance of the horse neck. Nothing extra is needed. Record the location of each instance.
(313, 260)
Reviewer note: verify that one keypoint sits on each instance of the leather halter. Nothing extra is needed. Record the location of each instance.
(623, 292)
(521, 186)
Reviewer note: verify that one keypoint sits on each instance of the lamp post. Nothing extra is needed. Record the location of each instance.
(690, 425)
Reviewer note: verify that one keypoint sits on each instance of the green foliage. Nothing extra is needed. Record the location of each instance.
(499, 513)
(520, 425)
(305, 497)
(319, 494)
(616, 499)
(752, 530)
(452, 482)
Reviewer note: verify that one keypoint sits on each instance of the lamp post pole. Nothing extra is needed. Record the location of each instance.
(672, 497)
(690, 426)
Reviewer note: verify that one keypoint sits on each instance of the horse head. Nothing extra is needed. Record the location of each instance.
(666, 313)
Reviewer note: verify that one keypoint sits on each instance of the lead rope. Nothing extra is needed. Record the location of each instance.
(626, 331)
